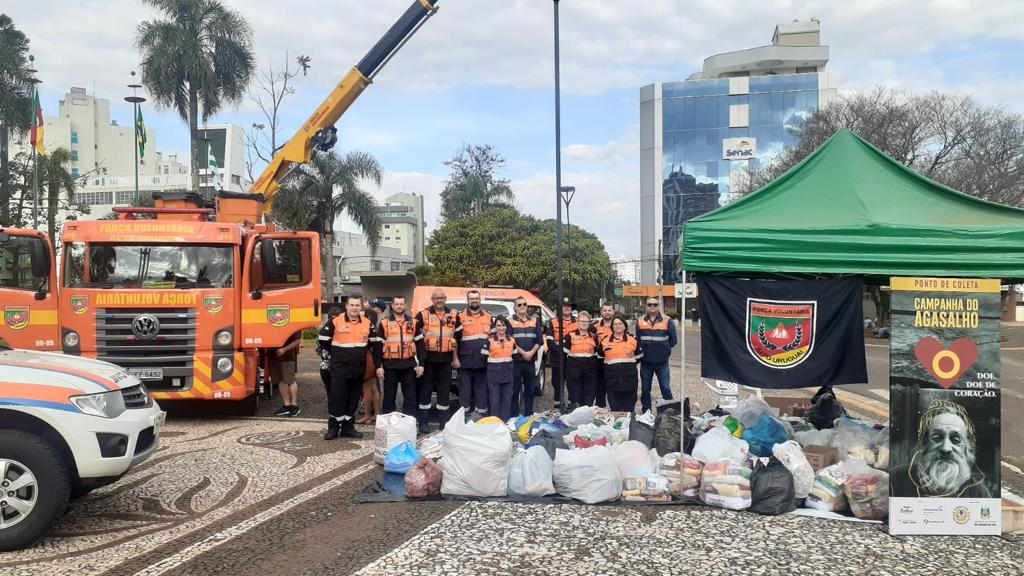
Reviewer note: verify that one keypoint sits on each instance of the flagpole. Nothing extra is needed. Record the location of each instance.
(682, 367)
(135, 100)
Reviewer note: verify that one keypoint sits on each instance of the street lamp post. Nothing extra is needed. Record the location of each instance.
(135, 101)
(567, 193)
(558, 213)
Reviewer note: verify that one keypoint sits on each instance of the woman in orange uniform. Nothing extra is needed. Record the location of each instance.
(621, 353)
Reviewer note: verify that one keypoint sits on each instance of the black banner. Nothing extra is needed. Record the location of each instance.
(782, 334)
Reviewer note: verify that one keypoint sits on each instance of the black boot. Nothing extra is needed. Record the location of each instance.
(332, 429)
(424, 427)
(348, 430)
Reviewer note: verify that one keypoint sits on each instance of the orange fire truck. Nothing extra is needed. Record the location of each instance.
(185, 295)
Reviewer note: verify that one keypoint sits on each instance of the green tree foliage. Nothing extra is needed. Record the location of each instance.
(15, 100)
(323, 190)
(503, 247)
(199, 56)
(473, 184)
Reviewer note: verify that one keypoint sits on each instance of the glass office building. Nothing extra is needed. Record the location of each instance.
(698, 135)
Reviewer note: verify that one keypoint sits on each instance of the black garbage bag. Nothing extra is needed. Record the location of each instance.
(642, 433)
(551, 441)
(825, 408)
(666, 432)
(771, 488)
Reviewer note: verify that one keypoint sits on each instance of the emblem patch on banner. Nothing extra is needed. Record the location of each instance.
(16, 317)
(780, 333)
(79, 304)
(214, 303)
(946, 365)
(278, 314)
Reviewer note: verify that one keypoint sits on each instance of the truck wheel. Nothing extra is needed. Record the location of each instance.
(35, 488)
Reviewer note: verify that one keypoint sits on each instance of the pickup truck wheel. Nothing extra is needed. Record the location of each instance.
(34, 488)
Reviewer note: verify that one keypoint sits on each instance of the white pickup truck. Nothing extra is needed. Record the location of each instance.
(67, 425)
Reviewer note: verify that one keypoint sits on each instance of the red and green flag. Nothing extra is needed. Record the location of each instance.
(36, 136)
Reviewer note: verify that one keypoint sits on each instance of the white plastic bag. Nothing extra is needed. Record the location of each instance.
(587, 474)
(476, 458)
(718, 444)
(815, 437)
(792, 457)
(852, 439)
(580, 416)
(634, 459)
(529, 474)
(389, 431)
(749, 411)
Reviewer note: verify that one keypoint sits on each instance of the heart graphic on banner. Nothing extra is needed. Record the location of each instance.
(946, 365)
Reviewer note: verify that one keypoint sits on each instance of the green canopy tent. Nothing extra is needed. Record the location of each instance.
(848, 209)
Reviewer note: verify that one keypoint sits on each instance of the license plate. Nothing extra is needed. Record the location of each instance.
(147, 373)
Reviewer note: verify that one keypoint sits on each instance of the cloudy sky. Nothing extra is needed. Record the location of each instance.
(481, 71)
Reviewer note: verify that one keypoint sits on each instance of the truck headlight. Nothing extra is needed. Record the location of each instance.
(224, 364)
(224, 338)
(71, 339)
(105, 404)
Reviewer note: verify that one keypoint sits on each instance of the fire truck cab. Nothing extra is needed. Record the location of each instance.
(181, 299)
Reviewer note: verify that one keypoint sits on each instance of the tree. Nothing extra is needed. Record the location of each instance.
(503, 247)
(273, 85)
(59, 186)
(473, 185)
(200, 56)
(323, 190)
(16, 84)
(950, 138)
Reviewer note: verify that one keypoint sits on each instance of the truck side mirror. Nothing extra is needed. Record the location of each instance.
(40, 257)
(268, 256)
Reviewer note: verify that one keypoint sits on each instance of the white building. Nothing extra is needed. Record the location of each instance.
(627, 269)
(403, 223)
(352, 256)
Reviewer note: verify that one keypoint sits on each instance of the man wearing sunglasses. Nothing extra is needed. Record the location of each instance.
(657, 335)
(528, 334)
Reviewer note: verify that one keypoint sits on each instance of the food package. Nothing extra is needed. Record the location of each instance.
(389, 431)
(587, 474)
(529, 473)
(726, 484)
(424, 479)
(430, 447)
(476, 458)
(683, 473)
(718, 444)
(650, 488)
(827, 493)
(867, 490)
(792, 457)
(401, 458)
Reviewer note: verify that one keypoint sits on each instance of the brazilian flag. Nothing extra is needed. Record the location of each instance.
(140, 133)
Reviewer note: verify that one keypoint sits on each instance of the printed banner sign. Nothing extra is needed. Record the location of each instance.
(782, 334)
(944, 407)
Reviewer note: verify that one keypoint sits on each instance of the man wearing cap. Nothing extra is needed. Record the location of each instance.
(553, 334)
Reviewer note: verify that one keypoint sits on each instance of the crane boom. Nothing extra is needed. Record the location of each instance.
(318, 132)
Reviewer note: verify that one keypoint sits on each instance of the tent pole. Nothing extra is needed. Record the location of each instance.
(682, 367)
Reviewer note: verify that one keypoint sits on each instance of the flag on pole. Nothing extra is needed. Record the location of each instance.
(36, 135)
(140, 133)
(214, 169)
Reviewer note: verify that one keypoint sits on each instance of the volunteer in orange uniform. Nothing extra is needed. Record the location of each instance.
(529, 335)
(474, 328)
(352, 334)
(499, 350)
(620, 353)
(657, 334)
(580, 347)
(603, 327)
(439, 324)
(554, 338)
(400, 356)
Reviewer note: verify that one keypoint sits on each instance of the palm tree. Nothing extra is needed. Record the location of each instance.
(201, 55)
(326, 188)
(55, 178)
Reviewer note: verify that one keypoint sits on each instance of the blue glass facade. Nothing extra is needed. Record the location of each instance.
(695, 121)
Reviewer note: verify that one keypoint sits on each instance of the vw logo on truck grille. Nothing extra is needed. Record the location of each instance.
(145, 326)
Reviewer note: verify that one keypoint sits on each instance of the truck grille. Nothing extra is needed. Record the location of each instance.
(135, 397)
(172, 349)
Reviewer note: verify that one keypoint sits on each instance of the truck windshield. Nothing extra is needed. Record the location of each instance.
(147, 266)
(18, 254)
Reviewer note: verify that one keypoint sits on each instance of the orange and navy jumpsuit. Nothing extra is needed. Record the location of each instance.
(580, 366)
(620, 357)
(554, 336)
(439, 341)
(498, 352)
(351, 342)
(399, 352)
(474, 328)
(600, 393)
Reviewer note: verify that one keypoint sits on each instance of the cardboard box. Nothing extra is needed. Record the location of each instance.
(787, 405)
(799, 409)
(821, 456)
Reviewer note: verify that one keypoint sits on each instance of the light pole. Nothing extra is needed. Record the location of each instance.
(135, 101)
(35, 155)
(558, 213)
(567, 192)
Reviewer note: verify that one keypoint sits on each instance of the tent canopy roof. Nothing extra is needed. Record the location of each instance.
(849, 209)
